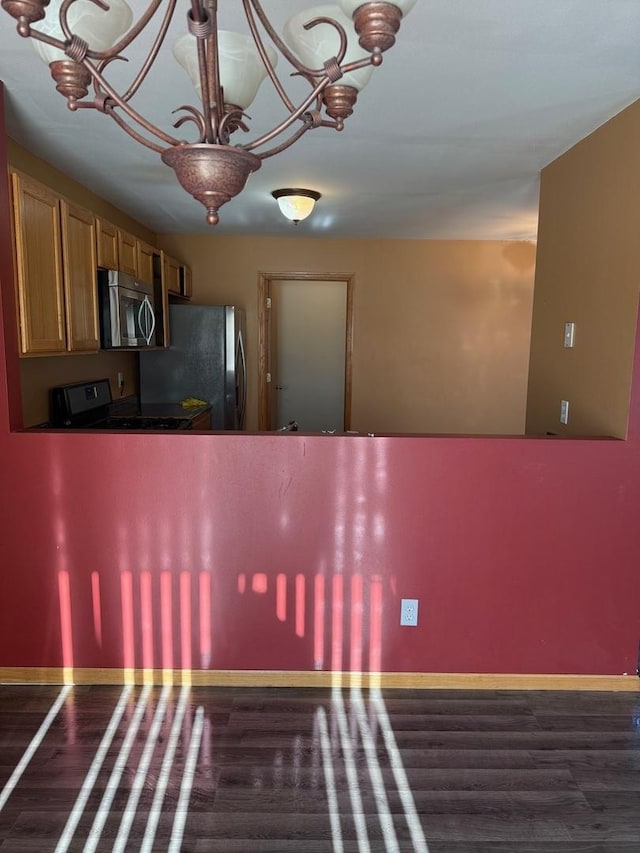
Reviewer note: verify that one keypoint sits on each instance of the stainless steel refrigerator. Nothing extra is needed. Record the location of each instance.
(206, 359)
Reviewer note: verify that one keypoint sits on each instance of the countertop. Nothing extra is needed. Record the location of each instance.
(130, 407)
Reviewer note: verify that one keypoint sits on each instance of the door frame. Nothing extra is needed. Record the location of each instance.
(264, 338)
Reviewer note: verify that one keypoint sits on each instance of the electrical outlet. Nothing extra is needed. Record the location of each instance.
(120, 379)
(409, 612)
(564, 412)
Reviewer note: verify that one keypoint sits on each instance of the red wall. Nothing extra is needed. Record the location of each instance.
(218, 551)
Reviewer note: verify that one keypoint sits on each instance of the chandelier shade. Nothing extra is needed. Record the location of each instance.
(296, 204)
(314, 45)
(94, 25)
(332, 48)
(241, 68)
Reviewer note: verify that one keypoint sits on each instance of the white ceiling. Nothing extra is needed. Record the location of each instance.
(447, 140)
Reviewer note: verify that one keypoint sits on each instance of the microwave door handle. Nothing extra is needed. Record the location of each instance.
(141, 310)
(151, 319)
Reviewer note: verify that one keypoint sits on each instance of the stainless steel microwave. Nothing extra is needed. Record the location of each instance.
(127, 313)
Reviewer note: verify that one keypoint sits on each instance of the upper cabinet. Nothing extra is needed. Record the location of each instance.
(59, 247)
(144, 261)
(80, 290)
(171, 275)
(107, 244)
(127, 253)
(55, 271)
(176, 277)
(116, 249)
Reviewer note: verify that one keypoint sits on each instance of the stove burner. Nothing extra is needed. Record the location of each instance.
(139, 422)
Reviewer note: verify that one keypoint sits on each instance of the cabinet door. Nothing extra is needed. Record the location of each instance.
(127, 253)
(80, 285)
(186, 285)
(171, 274)
(39, 267)
(107, 244)
(145, 261)
(201, 421)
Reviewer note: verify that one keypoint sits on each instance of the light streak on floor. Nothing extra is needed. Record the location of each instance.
(30, 751)
(330, 781)
(92, 775)
(118, 769)
(400, 776)
(177, 832)
(352, 774)
(375, 773)
(165, 772)
(354, 757)
(141, 772)
(362, 732)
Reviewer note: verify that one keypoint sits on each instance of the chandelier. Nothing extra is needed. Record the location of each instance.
(81, 39)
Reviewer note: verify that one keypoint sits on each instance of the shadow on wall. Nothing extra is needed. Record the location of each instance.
(521, 255)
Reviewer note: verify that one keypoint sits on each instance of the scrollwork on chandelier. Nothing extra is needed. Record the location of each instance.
(80, 39)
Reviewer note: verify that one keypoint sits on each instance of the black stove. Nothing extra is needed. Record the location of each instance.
(140, 422)
(88, 405)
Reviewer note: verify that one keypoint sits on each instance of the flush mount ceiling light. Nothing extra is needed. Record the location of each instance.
(296, 204)
(80, 39)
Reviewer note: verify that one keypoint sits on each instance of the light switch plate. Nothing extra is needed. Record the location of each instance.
(569, 334)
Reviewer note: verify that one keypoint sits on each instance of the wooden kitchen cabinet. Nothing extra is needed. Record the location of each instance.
(80, 284)
(116, 249)
(202, 421)
(107, 244)
(55, 244)
(39, 272)
(170, 275)
(144, 254)
(127, 253)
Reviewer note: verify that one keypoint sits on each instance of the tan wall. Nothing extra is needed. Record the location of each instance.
(441, 328)
(587, 272)
(38, 375)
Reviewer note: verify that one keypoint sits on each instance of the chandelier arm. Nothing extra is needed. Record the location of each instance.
(126, 40)
(356, 64)
(308, 125)
(290, 57)
(131, 132)
(282, 47)
(105, 56)
(124, 106)
(153, 53)
(287, 122)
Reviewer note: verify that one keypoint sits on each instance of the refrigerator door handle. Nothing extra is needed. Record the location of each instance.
(243, 368)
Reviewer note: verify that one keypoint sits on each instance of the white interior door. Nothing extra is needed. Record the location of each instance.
(308, 334)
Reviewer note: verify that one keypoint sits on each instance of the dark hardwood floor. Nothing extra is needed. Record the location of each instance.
(222, 770)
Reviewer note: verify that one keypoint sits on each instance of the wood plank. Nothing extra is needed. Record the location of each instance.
(274, 678)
